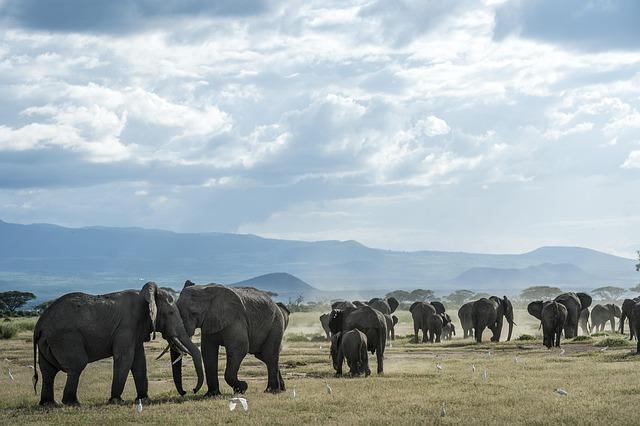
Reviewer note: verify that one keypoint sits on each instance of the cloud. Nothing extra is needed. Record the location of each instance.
(588, 25)
(117, 16)
(632, 161)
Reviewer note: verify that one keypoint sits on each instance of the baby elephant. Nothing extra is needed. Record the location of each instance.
(552, 316)
(448, 330)
(353, 346)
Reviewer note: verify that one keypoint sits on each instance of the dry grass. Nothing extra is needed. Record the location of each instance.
(601, 386)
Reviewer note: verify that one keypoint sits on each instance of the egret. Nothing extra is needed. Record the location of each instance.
(515, 359)
(293, 392)
(10, 375)
(604, 349)
(562, 351)
(139, 406)
(561, 392)
(443, 412)
(488, 354)
(234, 401)
(473, 368)
(329, 390)
(439, 367)
(485, 375)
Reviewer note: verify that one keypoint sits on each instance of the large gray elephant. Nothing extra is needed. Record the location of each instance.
(489, 313)
(387, 305)
(342, 304)
(243, 320)
(351, 345)
(627, 312)
(466, 320)
(552, 316)
(324, 322)
(80, 328)
(635, 323)
(424, 318)
(600, 314)
(575, 303)
(368, 320)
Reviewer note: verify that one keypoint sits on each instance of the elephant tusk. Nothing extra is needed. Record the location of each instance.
(180, 346)
(514, 323)
(163, 352)
(177, 359)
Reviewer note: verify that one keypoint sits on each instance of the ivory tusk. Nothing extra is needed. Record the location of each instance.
(163, 352)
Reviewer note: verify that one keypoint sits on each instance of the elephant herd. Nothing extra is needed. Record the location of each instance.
(79, 328)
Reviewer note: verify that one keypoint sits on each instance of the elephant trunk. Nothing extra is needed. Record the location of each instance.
(176, 367)
(176, 363)
(510, 330)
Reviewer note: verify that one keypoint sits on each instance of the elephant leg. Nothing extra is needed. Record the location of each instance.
(339, 362)
(237, 345)
(123, 354)
(139, 372)
(365, 360)
(210, 350)
(380, 357)
(72, 363)
(49, 372)
(415, 331)
(271, 360)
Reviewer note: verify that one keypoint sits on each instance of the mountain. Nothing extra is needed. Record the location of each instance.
(51, 259)
(282, 283)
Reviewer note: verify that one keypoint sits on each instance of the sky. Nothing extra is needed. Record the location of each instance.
(485, 126)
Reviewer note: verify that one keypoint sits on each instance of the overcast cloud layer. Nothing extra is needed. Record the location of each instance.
(453, 125)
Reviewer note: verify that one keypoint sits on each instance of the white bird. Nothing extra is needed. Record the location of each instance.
(561, 392)
(515, 359)
(10, 375)
(473, 368)
(439, 367)
(485, 375)
(234, 401)
(329, 390)
(31, 367)
(139, 406)
(320, 347)
(7, 360)
(604, 349)
(562, 351)
(443, 412)
(488, 354)
(293, 392)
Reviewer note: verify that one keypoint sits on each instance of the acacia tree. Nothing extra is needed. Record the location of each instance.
(400, 295)
(458, 297)
(422, 295)
(608, 292)
(539, 292)
(13, 300)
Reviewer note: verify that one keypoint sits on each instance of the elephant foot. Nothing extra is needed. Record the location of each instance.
(145, 399)
(338, 374)
(49, 404)
(241, 387)
(71, 402)
(212, 394)
(273, 390)
(116, 400)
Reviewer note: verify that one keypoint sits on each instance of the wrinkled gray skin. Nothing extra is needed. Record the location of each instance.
(285, 313)
(387, 306)
(368, 320)
(358, 304)
(423, 314)
(80, 328)
(575, 303)
(552, 316)
(489, 313)
(351, 345)
(600, 314)
(391, 321)
(466, 321)
(448, 330)
(627, 312)
(342, 304)
(243, 320)
(324, 321)
(583, 321)
(635, 323)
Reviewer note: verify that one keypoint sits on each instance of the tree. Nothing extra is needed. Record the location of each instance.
(44, 305)
(422, 295)
(171, 291)
(610, 293)
(15, 299)
(638, 264)
(458, 297)
(540, 292)
(636, 288)
(400, 295)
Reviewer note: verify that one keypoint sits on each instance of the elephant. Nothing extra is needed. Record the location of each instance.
(422, 313)
(79, 328)
(552, 316)
(600, 314)
(627, 312)
(342, 304)
(368, 320)
(358, 304)
(575, 303)
(488, 313)
(583, 321)
(386, 306)
(391, 321)
(635, 323)
(285, 313)
(243, 320)
(324, 321)
(448, 330)
(351, 345)
(464, 313)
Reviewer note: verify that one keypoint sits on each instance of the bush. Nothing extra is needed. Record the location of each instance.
(525, 337)
(8, 330)
(582, 339)
(612, 342)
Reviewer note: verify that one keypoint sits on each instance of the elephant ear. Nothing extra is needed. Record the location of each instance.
(149, 292)
(585, 300)
(283, 307)
(535, 309)
(188, 283)
(616, 311)
(335, 321)
(393, 303)
(439, 307)
(413, 305)
(394, 319)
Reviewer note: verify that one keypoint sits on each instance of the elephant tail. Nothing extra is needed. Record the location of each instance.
(36, 336)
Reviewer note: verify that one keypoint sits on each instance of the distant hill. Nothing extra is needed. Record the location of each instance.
(279, 282)
(51, 259)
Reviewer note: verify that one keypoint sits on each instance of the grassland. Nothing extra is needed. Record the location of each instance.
(602, 386)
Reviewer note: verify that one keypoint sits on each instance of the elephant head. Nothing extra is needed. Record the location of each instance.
(336, 320)
(439, 307)
(166, 319)
(535, 309)
(617, 312)
(507, 310)
(585, 300)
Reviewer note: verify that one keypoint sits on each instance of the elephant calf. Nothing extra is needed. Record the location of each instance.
(80, 328)
(448, 330)
(324, 322)
(351, 345)
(553, 317)
(430, 318)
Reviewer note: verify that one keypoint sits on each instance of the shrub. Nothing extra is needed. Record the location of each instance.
(612, 342)
(525, 337)
(8, 330)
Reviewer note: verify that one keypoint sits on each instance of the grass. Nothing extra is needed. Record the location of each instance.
(522, 376)
(8, 330)
(613, 342)
(525, 337)
(582, 339)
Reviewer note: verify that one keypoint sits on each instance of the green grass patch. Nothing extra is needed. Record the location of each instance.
(612, 342)
(525, 337)
(8, 330)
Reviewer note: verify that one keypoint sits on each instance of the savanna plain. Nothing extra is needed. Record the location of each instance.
(489, 383)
